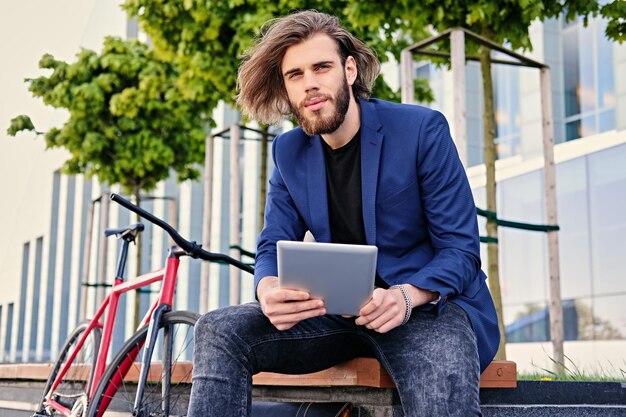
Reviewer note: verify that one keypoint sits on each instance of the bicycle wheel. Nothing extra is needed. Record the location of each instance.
(75, 383)
(166, 393)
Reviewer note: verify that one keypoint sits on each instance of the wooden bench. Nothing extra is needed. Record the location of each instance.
(368, 372)
(364, 372)
(361, 381)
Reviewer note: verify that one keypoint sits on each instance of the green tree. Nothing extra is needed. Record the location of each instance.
(128, 121)
(208, 38)
(128, 124)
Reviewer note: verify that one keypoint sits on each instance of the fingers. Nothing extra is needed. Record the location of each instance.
(285, 308)
(374, 304)
(384, 312)
(287, 321)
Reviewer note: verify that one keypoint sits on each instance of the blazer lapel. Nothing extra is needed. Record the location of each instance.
(316, 189)
(371, 146)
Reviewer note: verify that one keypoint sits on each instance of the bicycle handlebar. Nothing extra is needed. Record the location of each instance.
(192, 248)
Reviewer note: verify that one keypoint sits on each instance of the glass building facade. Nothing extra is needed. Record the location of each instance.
(592, 243)
(584, 93)
(589, 81)
(587, 98)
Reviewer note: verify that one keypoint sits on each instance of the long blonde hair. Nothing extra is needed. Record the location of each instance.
(262, 93)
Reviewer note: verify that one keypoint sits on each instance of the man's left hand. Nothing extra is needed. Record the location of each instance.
(386, 310)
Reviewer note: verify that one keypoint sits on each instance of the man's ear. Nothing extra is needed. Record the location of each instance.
(351, 70)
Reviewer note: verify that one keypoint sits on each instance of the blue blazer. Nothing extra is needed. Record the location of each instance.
(418, 208)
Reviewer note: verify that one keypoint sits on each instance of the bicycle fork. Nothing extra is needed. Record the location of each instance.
(165, 305)
(151, 339)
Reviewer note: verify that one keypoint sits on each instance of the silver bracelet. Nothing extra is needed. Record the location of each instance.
(407, 300)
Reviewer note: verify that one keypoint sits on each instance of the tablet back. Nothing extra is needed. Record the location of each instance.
(343, 275)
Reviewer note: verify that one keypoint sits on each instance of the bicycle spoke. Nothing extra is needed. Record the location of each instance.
(160, 390)
(71, 392)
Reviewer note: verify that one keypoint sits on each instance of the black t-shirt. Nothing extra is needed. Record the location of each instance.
(345, 203)
(343, 184)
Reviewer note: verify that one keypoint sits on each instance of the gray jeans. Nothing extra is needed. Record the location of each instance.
(432, 359)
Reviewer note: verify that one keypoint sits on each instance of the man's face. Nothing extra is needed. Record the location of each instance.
(317, 84)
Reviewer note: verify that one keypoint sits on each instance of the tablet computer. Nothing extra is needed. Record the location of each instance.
(342, 275)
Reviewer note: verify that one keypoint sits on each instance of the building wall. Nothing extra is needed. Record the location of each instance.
(590, 173)
(32, 192)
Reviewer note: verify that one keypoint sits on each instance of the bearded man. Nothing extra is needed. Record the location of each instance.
(359, 171)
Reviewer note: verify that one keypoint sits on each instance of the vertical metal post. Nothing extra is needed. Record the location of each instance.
(102, 262)
(556, 309)
(87, 258)
(406, 68)
(235, 209)
(457, 40)
(206, 222)
(172, 215)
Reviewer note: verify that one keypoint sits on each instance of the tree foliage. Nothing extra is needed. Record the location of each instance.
(128, 122)
(208, 38)
(615, 13)
(504, 21)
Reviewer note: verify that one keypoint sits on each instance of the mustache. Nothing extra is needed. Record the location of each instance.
(313, 96)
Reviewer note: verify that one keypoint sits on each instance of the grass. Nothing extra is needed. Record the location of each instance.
(571, 372)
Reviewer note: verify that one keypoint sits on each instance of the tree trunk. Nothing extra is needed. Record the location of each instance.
(136, 318)
(490, 165)
(263, 175)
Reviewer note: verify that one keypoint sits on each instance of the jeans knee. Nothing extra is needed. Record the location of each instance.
(226, 323)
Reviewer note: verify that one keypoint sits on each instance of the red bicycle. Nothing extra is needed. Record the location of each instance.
(81, 384)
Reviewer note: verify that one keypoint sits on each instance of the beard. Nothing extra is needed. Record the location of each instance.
(317, 124)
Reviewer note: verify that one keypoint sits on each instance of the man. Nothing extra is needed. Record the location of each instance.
(362, 171)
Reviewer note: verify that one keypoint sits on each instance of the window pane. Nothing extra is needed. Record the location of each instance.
(574, 236)
(524, 274)
(607, 120)
(607, 204)
(500, 87)
(571, 73)
(587, 94)
(527, 323)
(532, 322)
(589, 125)
(584, 319)
(573, 130)
(609, 315)
(606, 83)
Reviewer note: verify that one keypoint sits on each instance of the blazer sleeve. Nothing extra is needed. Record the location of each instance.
(282, 222)
(450, 213)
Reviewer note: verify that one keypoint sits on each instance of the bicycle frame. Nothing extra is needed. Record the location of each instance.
(153, 317)
(109, 306)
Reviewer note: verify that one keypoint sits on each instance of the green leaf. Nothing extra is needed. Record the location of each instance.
(19, 123)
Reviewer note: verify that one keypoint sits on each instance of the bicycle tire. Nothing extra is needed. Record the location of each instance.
(77, 381)
(123, 399)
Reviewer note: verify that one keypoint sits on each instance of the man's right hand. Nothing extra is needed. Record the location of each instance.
(285, 308)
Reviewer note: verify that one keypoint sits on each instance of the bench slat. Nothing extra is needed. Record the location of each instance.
(368, 372)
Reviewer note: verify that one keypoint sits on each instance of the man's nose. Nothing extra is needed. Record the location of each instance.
(311, 83)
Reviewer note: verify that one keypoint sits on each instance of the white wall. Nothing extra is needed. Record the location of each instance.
(29, 29)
